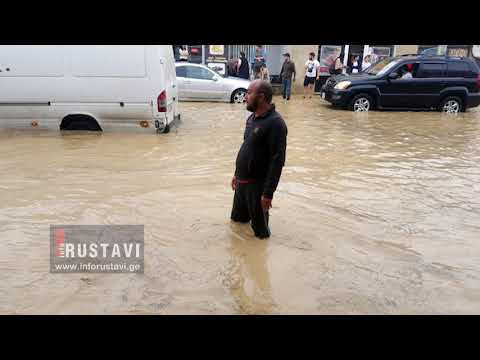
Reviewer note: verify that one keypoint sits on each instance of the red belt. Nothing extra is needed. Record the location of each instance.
(246, 181)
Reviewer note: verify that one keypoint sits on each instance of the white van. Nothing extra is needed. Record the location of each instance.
(88, 87)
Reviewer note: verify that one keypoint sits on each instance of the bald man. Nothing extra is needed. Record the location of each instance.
(260, 160)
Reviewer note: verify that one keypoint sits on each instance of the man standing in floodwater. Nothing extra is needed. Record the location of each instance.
(260, 160)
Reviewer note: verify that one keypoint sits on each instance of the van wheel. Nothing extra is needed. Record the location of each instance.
(80, 122)
(451, 105)
(361, 103)
(165, 130)
(239, 96)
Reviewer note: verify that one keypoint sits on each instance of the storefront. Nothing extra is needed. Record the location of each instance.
(449, 50)
(214, 56)
(273, 56)
(217, 56)
(327, 55)
(476, 53)
(195, 53)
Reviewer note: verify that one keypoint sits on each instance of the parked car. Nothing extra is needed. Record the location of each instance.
(197, 82)
(448, 84)
(88, 87)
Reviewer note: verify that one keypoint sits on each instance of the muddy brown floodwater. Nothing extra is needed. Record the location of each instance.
(375, 213)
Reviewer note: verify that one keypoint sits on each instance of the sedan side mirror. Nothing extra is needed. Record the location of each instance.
(215, 78)
(393, 75)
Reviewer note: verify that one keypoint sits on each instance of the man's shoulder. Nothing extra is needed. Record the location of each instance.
(277, 120)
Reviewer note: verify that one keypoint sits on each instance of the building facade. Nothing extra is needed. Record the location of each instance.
(299, 55)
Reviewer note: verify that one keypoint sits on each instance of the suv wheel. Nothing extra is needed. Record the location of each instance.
(361, 103)
(451, 105)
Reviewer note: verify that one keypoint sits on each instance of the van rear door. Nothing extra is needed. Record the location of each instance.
(172, 82)
(168, 81)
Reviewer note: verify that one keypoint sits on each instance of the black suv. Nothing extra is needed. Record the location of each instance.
(409, 82)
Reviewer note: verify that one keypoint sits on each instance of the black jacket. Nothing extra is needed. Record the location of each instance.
(244, 70)
(262, 154)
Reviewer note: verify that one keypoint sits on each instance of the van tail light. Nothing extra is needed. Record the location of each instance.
(162, 102)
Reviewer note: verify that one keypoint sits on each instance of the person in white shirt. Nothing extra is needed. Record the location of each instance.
(312, 73)
(183, 52)
(366, 63)
(407, 72)
(355, 64)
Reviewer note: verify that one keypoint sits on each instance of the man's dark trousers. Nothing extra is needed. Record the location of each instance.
(247, 206)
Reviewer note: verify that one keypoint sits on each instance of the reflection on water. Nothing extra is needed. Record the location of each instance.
(375, 213)
(249, 278)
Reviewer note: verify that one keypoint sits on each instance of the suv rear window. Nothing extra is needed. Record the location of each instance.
(458, 69)
(432, 70)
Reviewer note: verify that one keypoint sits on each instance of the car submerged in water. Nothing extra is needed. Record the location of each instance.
(409, 82)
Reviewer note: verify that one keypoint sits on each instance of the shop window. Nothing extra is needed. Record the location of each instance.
(476, 51)
(378, 53)
(328, 54)
(457, 51)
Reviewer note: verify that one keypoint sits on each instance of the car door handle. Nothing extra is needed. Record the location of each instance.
(174, 86)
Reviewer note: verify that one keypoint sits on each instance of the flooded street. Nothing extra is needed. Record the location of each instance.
(375, 213)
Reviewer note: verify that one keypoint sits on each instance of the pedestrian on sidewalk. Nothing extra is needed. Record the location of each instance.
(287, 73)
(183, 53)
(264, 73)
(243, 67)
(259, 61)
(232, 66)
(366, 63)
(336, 67)
(312, 73)
(355, 64)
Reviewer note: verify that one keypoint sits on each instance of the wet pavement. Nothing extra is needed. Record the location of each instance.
(375, 213)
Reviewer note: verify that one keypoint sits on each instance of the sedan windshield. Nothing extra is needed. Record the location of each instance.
(382, 66)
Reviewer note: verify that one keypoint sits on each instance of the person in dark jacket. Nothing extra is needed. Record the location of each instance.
(243, 67)
(288, 71)
(259, 161)
(232, 66)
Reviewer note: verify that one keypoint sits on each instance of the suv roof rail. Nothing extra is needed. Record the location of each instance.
(445, 57)
(409, 55)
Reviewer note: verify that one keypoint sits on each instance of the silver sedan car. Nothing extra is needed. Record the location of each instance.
(197, 82)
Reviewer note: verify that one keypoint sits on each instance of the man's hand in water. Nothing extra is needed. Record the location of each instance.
(266, 203)
(234, 183)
